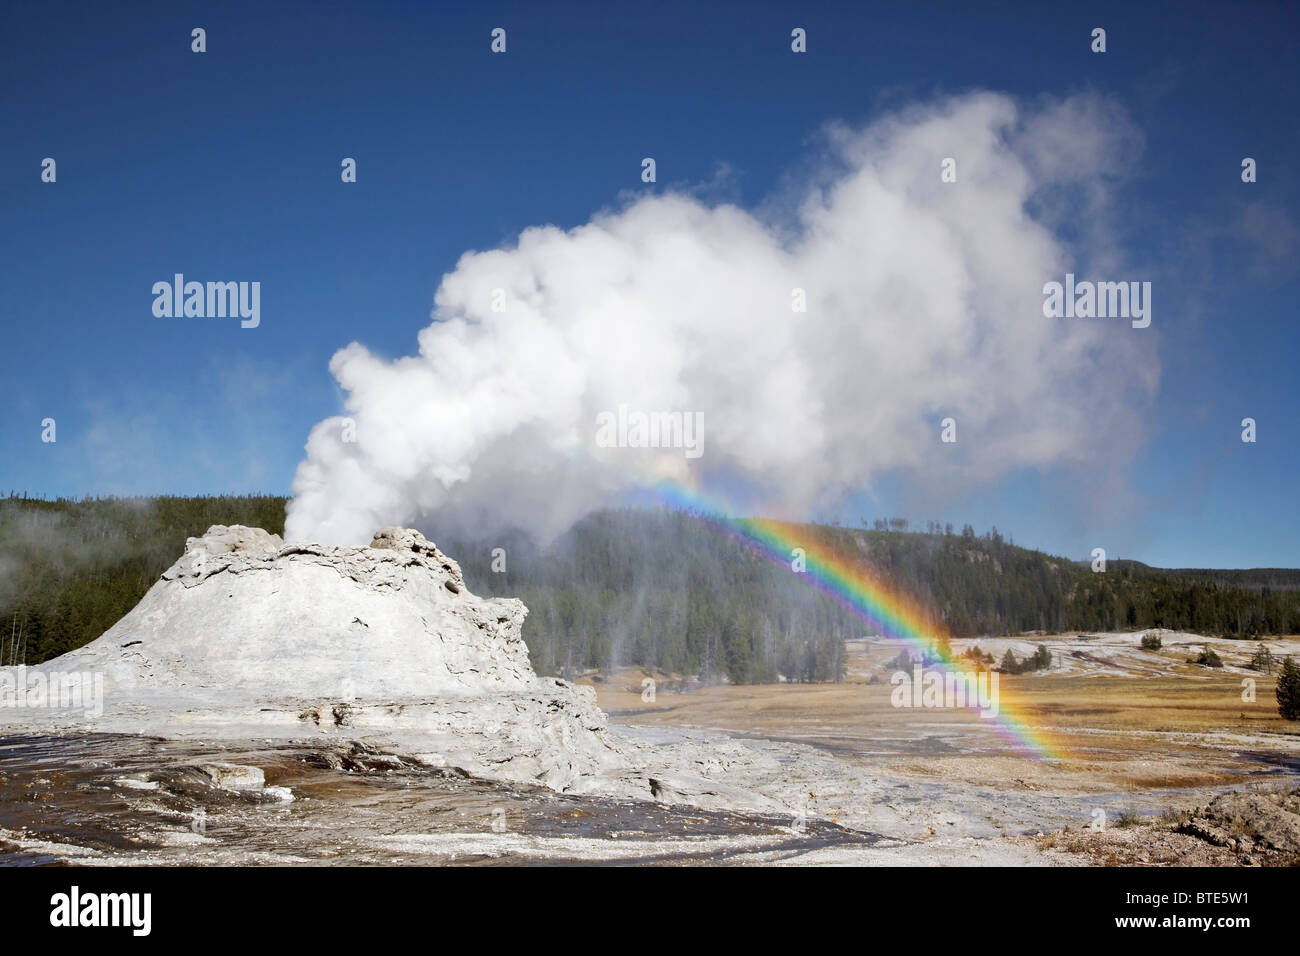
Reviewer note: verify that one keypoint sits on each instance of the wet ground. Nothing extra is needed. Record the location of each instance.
(123, 800)
(876, 784)
(127, 800)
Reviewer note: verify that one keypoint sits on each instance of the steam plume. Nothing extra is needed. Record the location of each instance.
(924, 301)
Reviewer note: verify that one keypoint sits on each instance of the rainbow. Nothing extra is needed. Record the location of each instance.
(865, 592)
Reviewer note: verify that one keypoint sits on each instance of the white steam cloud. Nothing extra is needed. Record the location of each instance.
(924, 301)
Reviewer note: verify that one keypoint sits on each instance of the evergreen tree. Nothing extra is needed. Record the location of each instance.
(1207, 658)
(1288, 690)
(1263, 659)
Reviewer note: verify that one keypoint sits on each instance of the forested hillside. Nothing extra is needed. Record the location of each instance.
(667, 589)
(70, 569)
(651, 588)
(663, 589)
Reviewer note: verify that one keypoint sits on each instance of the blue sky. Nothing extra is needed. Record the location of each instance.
(226, 165)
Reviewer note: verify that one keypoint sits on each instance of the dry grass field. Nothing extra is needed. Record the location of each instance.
(1115, 718)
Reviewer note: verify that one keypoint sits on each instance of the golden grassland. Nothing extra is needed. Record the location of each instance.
(1187, 727)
